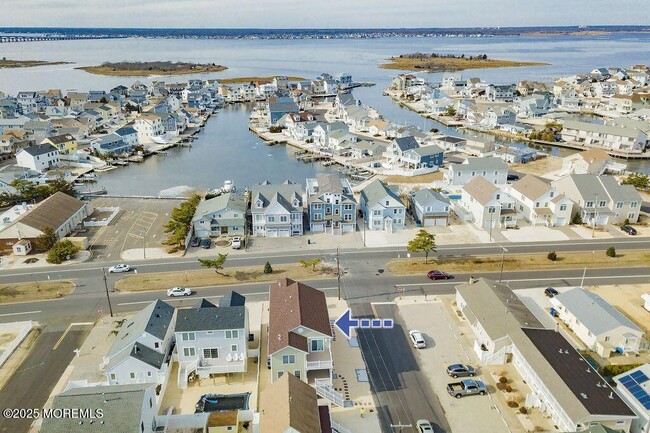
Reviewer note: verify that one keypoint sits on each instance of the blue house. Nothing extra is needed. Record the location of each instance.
(332, 208)
(111, 144)
(423, 157)
(138, 97)
(96, 95)
(281, 107)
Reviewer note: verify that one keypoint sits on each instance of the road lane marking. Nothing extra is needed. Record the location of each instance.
(56, 345)
(17, 314)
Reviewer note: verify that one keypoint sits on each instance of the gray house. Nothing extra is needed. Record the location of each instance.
(382, 207)
(223, 215)
(277, 210)
(429, 208)
(141, 351)
(212, 339)
(331, 204)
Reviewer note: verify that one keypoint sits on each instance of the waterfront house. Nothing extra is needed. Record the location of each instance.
(331, 205)
(322, 131)
(111, 144)
(277, 210)
(366, 149)
(139, 97)
(358, 118)
(447, 142)
(39, 157)
(281, 107)
(429, 208)
(222, 215)
(212, 339)
(96, 95)
(342, 102)
(563, 385)
(142, 349)
(395, 150)
(540, 203)
(604, 89)
(66, 144)
(494, 170)
(504, 92)
(486, 205)
(124, 408)
(600, 200)
(592, 161)
(76, 100)
(599, 325)
(516, 154)
(382, 207)
(535, 105)
(430, 157)
(30, 102)
(490, 115)
(60, 212)
(300, 334)
(149, 126)
(129, 135)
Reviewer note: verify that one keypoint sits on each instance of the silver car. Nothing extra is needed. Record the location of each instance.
(417, 339)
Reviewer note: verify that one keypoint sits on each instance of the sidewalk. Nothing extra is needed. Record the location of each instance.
(19, 262)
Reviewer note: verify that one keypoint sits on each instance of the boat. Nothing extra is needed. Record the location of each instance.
(228, 186)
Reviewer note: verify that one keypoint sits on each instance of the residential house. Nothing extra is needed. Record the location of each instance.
(331, 205)
(76, 100)
(600, 200)
(30, 102)
(633, 387)
(604, 136)
(66, 144)
(148, 126)
(40, 157)
(13, 123)
(540, 203)
(448, 143)
(142, 349)
(277, 210)
(505, 92)
(129, 135)
(222, 215)
(491, 115)
(395, 150)
(299, 332)
(431, 157)
(382, 207)
(429, 208)
(322, 131)
(486, 205)
(535, 105)
(60, 212)
(39, 130)
(494, 170)
(599, 325)
(281, 107)
(592, 161)
(561, 384)
(124, 408)
(111, 144)
(568, 99)
(212, 339)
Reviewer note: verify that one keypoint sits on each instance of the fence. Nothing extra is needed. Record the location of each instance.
(26, 329)
(106, 221)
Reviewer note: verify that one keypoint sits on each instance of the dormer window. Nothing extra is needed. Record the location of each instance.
(295, 203)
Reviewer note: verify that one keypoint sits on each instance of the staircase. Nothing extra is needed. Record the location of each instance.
(325, 390)
(183, 373)
(338, 428)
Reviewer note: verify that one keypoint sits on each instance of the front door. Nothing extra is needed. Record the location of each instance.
(388, 225)
(224, 230)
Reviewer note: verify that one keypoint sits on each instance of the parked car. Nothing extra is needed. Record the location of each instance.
(466, 387)
(236, 242)
(629, 230)
(417, 339)
(438, 275)
(178, 291)
(119, 269)
(460, 370)
(512, 177)
(424, 426)
(550, 292)
(206, 243)
(195, 242)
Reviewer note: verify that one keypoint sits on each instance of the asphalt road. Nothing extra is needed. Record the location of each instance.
(32, 383)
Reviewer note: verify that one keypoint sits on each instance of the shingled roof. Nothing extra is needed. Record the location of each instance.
(289, 404)
(52, 212)
(293, 305)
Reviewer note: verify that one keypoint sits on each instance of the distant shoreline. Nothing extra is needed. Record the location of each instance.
(260, 80)
(6, 64)
(450, 64)
(148, 69)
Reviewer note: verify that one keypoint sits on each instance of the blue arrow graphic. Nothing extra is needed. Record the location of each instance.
(346, 323)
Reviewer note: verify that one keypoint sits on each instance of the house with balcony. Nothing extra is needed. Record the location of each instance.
(299, 332)
(494, 170)
(430, 157)
(40, 157)
(382, 207)
(66, 144)
(222, 215)
(212, 339)
(599, 325)
(486, 205)
(395, 150)
(429, 208)
(592, 161)
(501, 92)
(331, 205)
(539, 203)
(142, 349)
(610, 137)
(600, 200)
(277, 210)
(148, 126)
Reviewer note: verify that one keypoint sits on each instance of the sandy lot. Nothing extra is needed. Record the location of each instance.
(627, 298)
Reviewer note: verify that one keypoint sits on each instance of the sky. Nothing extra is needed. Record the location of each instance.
(320, 14)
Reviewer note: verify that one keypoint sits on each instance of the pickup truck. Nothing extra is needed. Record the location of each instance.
(466, 387)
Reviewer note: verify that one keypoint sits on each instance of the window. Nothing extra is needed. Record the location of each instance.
(563, 207)
(460, 174)
(148, 374)
(270, 219)
(317, 206)
(132, 375)
(259, 217)
(295, 216)
(347, 217)
(387, 203)
(347, 206)
(589, 204)
(602, 203)
(212, 353)
(337, 211)
(234, 348)
(156, 345)
(280, 373)
(188, 336)
(189, 351)
(376, 222)
(491, 209)
(318, 216)
(209, 332)
(376, 212)
(297, 373)
(498, 196)
(619, 204)
(631, 215)
(288, 359)
(536, 204)
(552, 194)
(317, 345)
(398, 221)
(633, 204)
(283, 219)
(113, 377)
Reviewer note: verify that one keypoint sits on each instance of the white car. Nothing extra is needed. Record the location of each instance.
(236, 242)
(417, 339)
(178, 291)
(424, 426)
(119, 268)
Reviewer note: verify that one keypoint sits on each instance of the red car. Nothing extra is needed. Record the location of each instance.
(438, 275)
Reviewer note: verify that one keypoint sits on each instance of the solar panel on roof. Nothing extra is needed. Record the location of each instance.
(639, 376)
(626, 379)
(640, 394)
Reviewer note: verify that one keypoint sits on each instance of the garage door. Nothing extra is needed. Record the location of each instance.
(430, 222)
(441, 221)
(284, 233)
(271, 233)
(486, 224)
(602, 220)
(561, 221)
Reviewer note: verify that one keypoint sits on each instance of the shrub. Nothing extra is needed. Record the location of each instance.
(501, 386)
(503, 379)
(576, 219)
(512, 403)
(523, 410)
(626, 222)
(552, 256)
(508, 388)
(611, 252)
(267, 268)
(61, 251)
(614, 370)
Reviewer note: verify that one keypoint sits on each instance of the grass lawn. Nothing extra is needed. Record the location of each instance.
(521, 262)
(34, 291)
(208, 277)
(440, 64)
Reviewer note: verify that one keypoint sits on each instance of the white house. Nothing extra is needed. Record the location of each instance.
(540, 203)
(382, 207)
(486, 205)
(600, 326)
(148, 127)
(40, 157)
(592, 161)
(494, 170)
(634, 388)
(604, 136)
(277, 210)
(222, 215)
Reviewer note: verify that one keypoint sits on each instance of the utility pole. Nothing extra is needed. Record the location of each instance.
(144, 247)
(503, 257)
(593, 224)
(338, 272)
(110, 308)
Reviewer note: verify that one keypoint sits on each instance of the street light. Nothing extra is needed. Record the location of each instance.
(144, 248)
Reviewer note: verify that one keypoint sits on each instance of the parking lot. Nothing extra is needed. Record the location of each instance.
(138, 227)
